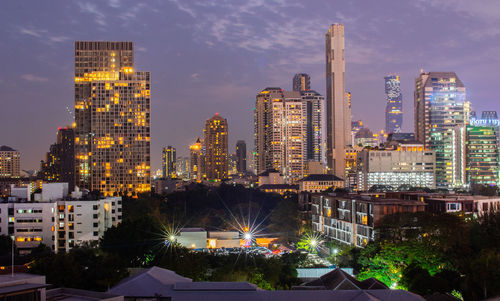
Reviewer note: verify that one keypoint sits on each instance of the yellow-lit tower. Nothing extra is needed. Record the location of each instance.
(215, 140)
(112, 116)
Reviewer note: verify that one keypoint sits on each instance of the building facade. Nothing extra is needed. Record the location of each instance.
(59, 164)
(112, 115)
(168, 163)
(316, 183)
(482, 161)
(440, 106)
(313, 108)
(301, 82)
(288, 131)
(337, 107)
(196, 161)
(394, 106)
(241, 156)
(354, 219)
(61, 224)
(407, 164)
(216, 148)
(10, 166)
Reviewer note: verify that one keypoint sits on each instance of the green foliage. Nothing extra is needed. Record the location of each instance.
(82, 268)
(284, 220)
(133, 240)
(427, 253)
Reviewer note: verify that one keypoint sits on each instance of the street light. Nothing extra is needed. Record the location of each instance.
(247, 236)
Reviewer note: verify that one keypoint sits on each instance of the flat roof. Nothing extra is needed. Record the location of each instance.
(21, 287)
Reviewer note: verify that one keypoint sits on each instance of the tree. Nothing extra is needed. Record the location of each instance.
(134, 240)
(284, 219)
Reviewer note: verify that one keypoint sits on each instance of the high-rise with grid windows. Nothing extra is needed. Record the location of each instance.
(112, 116)
(216, 148)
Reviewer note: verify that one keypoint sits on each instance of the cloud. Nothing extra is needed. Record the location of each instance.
(195, 76)
(37, 33)
(43, 35)
(90, 8)
(114, 3)
(34, 78)
(141, 49)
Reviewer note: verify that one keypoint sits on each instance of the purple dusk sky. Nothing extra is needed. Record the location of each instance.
(208, 56)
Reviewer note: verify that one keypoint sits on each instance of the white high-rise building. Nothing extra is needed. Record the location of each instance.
(337, 101)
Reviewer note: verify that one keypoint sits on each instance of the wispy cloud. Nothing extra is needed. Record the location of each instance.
(114, 3)
(34, 78)
(91, 8)
(42, 34)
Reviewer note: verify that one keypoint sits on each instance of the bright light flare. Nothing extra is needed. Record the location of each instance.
(247, 236)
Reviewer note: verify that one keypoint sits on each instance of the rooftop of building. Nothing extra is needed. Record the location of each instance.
(279, 186)
(161, 282)
(268, 172)
(341, 280)
(193, 230)
(71, 294)
(5, 148)
(321, 177)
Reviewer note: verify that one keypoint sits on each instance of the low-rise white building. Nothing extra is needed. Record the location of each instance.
(60, 224)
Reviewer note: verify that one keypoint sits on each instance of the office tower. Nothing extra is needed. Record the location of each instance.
(268, 115)
(196, 161)
(347, 118)
(301, 82)
(112, 115)
(293, 132)
(394, 106)
(312, 104)
(169, 161)
(216, 148)
(356, 126)
(440, 106)
(9, 162)
(241, 156)
(288, 131)
(482, 161)
(59, 164)
(336, 100)
(182, 167)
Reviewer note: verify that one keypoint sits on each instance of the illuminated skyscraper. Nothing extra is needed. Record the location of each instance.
(168, 162)
(440, 107)
(59, 164)
(394, 107)
(268, 130)
(337, 104)
(241, 156)
(112, 115)
(312, 106)
(9, 162)
(196, 161)
(216, 148)
(288, 131)
(482, 155)
(301, 82)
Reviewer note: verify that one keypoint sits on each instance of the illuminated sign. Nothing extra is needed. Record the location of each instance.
(484, 122)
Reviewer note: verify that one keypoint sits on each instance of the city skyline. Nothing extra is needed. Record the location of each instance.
(47, 76)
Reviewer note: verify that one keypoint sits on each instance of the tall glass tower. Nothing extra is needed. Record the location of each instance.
(394, 107)
(440, 106)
